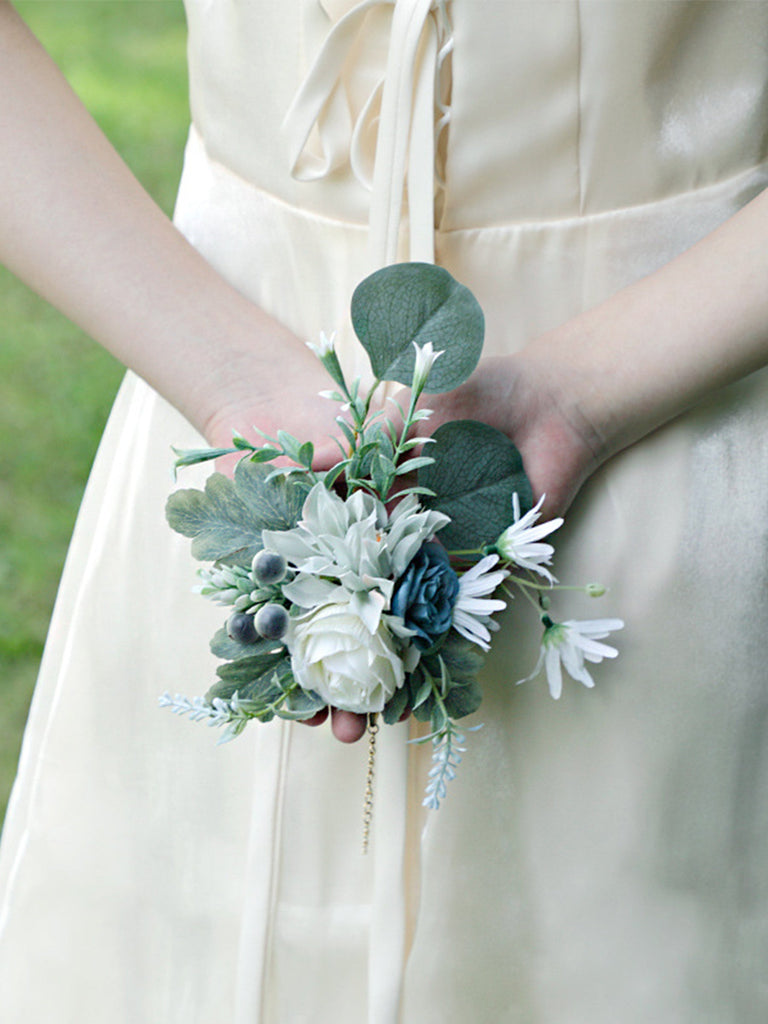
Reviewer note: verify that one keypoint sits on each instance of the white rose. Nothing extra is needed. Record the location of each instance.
(335, 654)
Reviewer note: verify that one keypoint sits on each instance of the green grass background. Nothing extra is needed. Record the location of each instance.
(126, 60)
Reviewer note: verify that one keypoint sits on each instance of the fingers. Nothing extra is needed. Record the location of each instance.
(317, 719)
(347, 727)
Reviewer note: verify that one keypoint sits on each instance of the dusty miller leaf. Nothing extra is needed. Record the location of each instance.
(226, 519)
(223, 646)
(250, 678)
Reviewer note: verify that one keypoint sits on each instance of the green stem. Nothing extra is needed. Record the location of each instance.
(367, 406)
(534, 585)
(523, 591)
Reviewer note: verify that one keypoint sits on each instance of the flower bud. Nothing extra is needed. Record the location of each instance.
(425, 360)
(326, 353)
(595, 589)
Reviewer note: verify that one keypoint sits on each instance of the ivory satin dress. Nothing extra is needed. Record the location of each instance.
(599, 860)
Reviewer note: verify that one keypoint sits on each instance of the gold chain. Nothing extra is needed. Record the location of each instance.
(368, 802)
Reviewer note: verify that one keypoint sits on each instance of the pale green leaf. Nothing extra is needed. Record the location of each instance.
(418, 302)
(226, 519)
(475, 472)
(423, 691)
(265, 454)
(411, 465)
(223, 646)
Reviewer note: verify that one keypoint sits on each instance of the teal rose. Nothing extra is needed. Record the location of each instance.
(425, 595)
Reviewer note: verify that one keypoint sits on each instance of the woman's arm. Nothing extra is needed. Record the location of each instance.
(77, 227)
(579, 394)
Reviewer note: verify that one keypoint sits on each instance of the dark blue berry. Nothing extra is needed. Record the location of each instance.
(272, 621)
(268, 567)
(241, 627)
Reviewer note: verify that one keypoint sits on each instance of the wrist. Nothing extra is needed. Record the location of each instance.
(578, 401)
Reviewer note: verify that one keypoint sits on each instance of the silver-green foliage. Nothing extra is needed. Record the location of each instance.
(226, 519)
(474, 472)
(421, 303)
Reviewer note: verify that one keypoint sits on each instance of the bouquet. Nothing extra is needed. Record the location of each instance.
(372, 587)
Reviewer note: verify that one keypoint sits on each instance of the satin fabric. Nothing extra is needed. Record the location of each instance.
(599, 859)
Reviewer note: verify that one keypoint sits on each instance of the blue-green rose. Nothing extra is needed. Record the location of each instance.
(425, 595)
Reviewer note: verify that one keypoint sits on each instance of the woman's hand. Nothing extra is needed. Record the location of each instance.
(267, 379)
(536, 406)
(579, 394)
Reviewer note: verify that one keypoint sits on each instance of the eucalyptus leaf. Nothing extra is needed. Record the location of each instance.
(423, 713)
(395, 706)
(418, 302)
(463, 698)
(475, 472)
(462, 659)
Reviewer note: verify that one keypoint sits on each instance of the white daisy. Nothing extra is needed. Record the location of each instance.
(473, 609)
(520, 542)
(569, 645)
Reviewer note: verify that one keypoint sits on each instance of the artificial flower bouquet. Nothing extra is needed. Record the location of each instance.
(371, 587)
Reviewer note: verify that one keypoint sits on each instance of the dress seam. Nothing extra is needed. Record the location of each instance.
(629, 210)
(699, 192)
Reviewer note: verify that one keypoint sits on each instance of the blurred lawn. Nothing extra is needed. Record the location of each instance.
(126, 60)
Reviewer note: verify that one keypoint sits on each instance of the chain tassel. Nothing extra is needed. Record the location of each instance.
(368, 802)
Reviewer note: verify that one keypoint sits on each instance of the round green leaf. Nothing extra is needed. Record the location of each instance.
(476, 471)
(418, 302)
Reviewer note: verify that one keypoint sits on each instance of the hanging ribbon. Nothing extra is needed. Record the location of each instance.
(400, 108)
